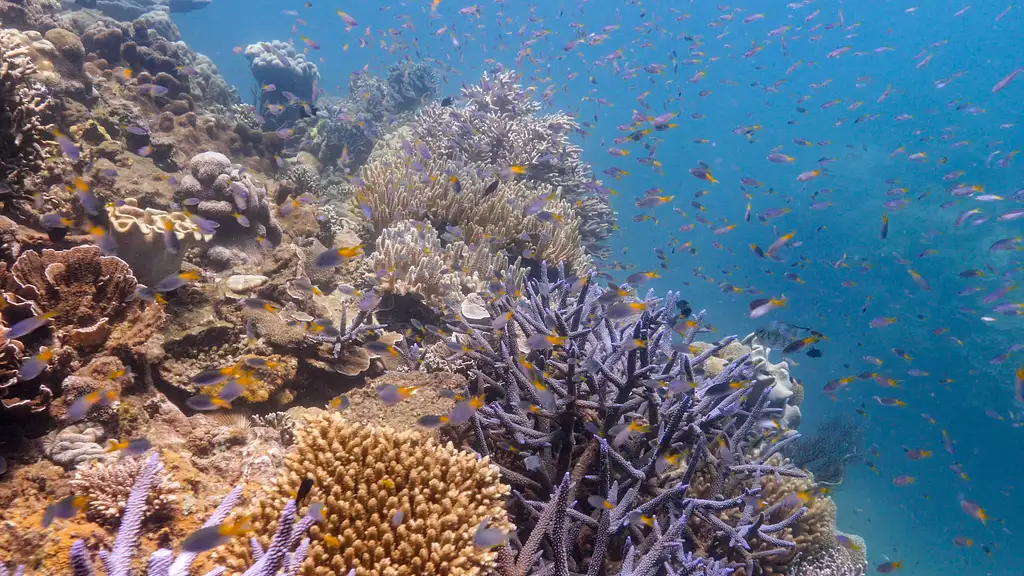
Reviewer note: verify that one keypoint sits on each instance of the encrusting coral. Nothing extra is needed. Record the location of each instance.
(398, 503)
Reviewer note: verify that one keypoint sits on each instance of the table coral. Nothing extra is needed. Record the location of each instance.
(363, 476)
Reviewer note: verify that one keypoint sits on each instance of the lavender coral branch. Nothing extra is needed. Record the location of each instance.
(661, 423)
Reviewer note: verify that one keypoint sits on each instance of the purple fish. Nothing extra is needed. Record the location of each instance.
(153, 90)
(1005, 244)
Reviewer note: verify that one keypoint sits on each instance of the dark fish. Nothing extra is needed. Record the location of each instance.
(304, 489)
(684, 309)
(490, 189)
(446, 101)
(814, 353)
(778, 334)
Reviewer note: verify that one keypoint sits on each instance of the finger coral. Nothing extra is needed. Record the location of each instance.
(364, 476)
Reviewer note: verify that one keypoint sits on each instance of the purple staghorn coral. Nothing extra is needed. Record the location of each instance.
(602, 430)
(285, 555)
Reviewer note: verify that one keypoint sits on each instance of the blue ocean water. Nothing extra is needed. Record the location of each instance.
(916, 79)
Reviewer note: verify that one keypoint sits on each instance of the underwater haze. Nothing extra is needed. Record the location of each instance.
(900, 111)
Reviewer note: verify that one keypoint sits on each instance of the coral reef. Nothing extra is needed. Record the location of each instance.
(499, 127)
(140, 235)
(410, 85)
(469, 202)
(76, 444)
(636, 418)
(279, 70)
(107, 484)
(236, 201)
(364, 476)
(410, 260)
(131, 9)
(88, 295)
(120, 559)
(837, 441)
(23, 102)
(776, 378)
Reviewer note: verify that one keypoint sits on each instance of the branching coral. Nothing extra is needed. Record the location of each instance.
(286, 552)
(400, 183)
(825, 454)
(604, 427)
(499, 127)
(107, 484)
(364, 476)
(22, 101)
(410, 85)
(410, 259)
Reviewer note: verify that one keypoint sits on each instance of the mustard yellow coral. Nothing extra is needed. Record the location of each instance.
(364, 475)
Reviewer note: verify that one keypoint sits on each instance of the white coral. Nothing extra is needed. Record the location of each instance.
(410, 259)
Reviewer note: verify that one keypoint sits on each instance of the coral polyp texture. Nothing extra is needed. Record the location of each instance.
(364, 476)
(225, 194)
(107, 484)
(283, 555)
(607, 429)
